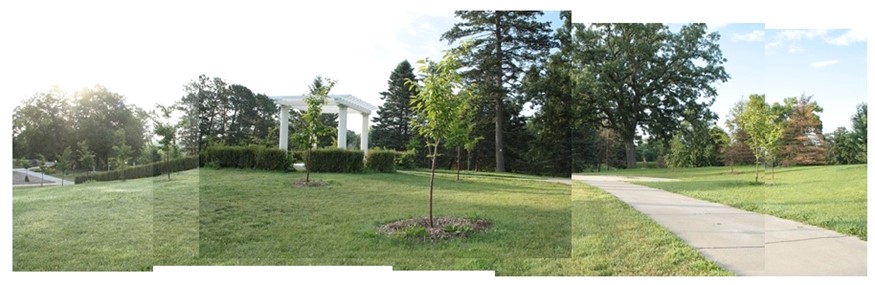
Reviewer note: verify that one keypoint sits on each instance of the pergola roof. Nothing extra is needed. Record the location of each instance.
(331, 106)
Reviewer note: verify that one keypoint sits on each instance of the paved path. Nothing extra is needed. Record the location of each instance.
(34, 178)
(743, 242)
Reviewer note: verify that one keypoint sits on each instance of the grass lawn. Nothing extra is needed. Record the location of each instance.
(241, 217)
(832, 197)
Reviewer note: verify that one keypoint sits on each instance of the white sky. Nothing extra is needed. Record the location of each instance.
(147, 50)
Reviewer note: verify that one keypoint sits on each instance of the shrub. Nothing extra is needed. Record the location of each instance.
(381, 160)
(145, 170)
(336, 160)
(248, 157)
(405, 159)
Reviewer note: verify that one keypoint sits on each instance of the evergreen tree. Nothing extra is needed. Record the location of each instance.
(842, 147)
(803, 142)
(503, 43)
(392, 128)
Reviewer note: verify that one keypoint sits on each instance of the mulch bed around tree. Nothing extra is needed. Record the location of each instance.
(444, 227)
(313, 183)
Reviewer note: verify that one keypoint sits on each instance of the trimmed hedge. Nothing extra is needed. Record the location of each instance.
(256, 157)
(335, 160)
(381, 160)
(145, 170)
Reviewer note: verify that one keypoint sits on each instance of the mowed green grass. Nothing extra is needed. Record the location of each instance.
(238, 217)
(257, 214)
(832, 197)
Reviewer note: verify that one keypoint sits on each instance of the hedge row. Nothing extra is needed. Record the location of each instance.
(335, 160)
(405, 159)
(381, 160)
(257, 157)
(145, 170)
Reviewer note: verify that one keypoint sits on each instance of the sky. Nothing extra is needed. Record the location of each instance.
(147, 51)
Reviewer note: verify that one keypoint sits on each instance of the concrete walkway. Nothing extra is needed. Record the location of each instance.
(48, 179)
(740, 241)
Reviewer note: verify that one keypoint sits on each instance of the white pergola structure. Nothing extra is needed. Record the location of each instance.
(336, 104)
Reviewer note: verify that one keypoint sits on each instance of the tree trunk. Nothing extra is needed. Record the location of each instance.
(499, 98)
(757, 171)
(431, 185)
(307, 165)
(630, 152)
(458, 161)
(469, 161)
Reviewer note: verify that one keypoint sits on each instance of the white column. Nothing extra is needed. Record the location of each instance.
(284, 127)
(341, 127)
(364, 136)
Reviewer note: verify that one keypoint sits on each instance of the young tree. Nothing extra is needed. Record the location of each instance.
(461, 127)
(502, 44)
(392, 129)
(24, 163)
(438, 105)
(860, 130)
(313, 127)
(643, 75)
(760, 123)
(121, 152)
(65, 162)
(86, 157)
(42, 168)
(167, 132)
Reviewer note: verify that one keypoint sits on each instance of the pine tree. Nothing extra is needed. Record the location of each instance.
(804, 143)
(503, 43)
(392, 128)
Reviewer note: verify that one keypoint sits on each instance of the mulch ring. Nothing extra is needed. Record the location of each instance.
(313, 183)
(444, 228)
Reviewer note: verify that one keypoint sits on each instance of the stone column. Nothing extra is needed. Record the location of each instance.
(341, 127)
(364, 136)
(284, 127)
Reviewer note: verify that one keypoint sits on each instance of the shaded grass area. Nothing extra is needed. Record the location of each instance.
(832, 197)
(548, 230)
(251, 214)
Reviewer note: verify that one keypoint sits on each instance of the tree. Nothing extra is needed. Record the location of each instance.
(24, 163)
(760, 122)
(392, 129)
(98, 113)
(502, 44)
(121, 152)
(313, 127)
(858, 120)
(86, 156)
(439, 106)
(842, 147)
(41, 125)
(167, 132)
(803, 141)
(737, 151)
(231, 114)
(461, 126)
(644, 75)
(42, 168)
(65, 162)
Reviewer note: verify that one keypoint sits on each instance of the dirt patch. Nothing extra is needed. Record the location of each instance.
(313, 183)
(444, 228)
